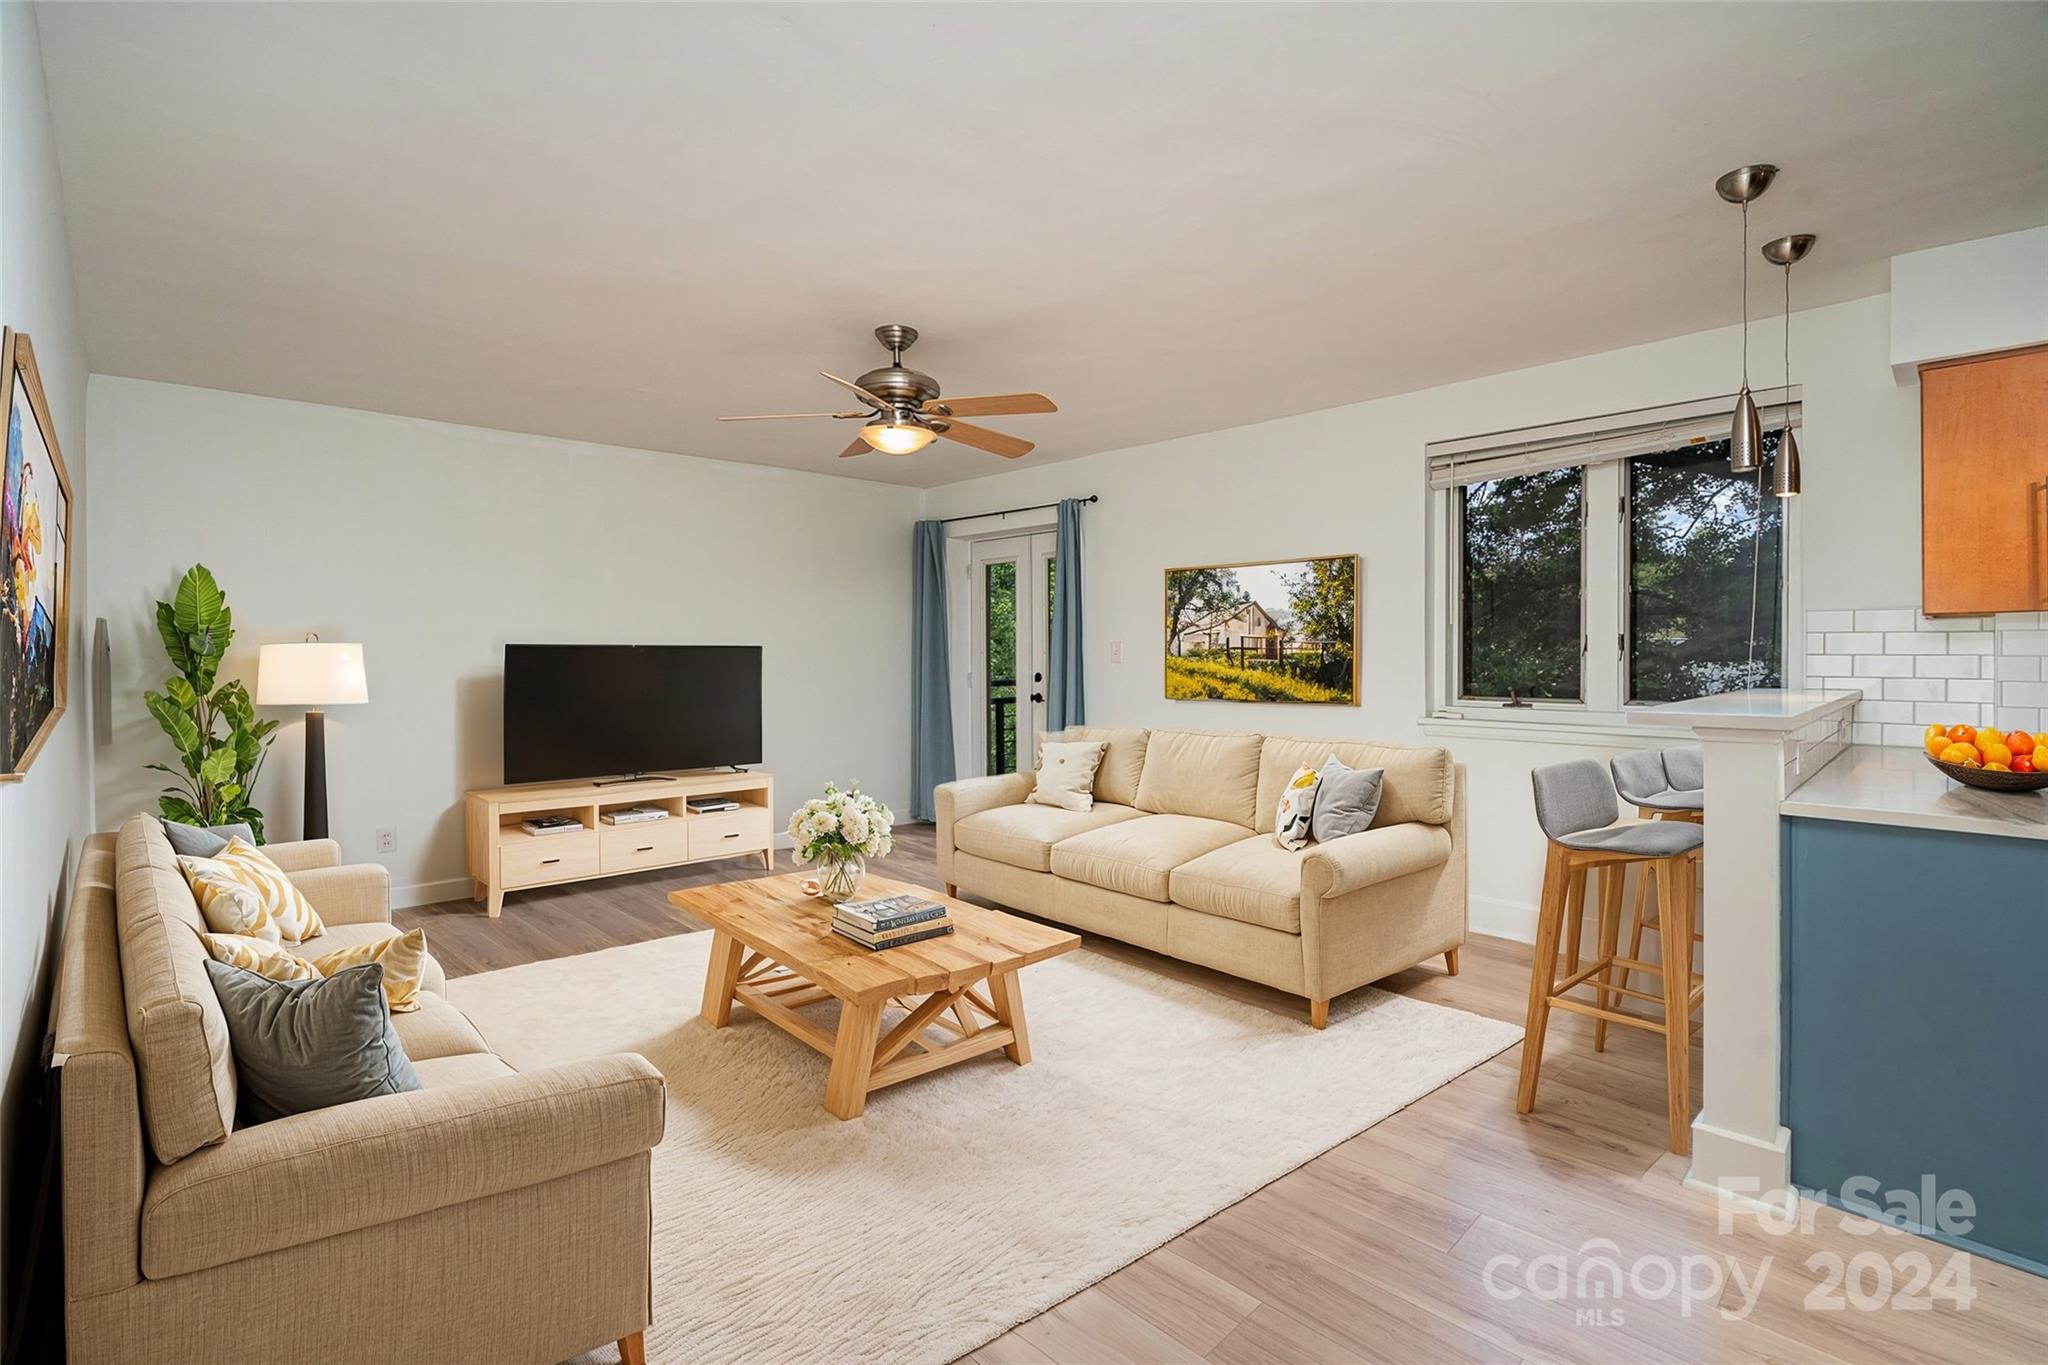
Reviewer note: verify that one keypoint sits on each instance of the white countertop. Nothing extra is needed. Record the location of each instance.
(1772, 708)
(1895, 786)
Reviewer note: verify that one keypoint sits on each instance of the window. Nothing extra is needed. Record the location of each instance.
(1592, 566)
(1694, 545)
(1522, 575)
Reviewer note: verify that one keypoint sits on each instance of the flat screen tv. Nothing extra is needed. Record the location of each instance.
(588, 711)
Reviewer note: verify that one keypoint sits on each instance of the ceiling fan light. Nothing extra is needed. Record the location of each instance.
(895, 438)
(1745, 436)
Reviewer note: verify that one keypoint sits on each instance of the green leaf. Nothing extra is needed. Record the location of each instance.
(181, 693)
(217, 767)
(199, 603)
(176, 723)
(179, 809)
(228, 794)
(174, 639)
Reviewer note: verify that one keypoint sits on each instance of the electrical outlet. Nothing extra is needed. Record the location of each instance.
(1116, 651)
(387, 839)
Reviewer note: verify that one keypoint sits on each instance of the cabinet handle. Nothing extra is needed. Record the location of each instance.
(645, 848)
(546, 861)
(734, 835)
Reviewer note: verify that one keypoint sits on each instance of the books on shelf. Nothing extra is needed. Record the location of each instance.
(551, 824)
(890, 921)
(634, 815)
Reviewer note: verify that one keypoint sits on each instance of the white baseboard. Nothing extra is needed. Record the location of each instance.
(1502, 918)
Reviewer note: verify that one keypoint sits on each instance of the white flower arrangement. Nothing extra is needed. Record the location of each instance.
(841, 825)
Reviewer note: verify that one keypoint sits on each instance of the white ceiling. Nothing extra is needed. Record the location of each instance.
(614, 223)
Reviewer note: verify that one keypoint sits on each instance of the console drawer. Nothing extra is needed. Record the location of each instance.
(746, 830)
(531, 859)
(657, 843)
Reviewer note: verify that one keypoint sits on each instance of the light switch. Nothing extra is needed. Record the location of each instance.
(1116, 651)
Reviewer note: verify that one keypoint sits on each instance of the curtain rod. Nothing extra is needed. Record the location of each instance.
(1034, 507)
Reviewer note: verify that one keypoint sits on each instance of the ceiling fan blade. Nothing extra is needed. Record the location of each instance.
(992, 405)
(981, 438)
(781, 416)
(857, 447)
(849, 384)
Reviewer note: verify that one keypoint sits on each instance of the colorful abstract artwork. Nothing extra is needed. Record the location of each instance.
(35, 533)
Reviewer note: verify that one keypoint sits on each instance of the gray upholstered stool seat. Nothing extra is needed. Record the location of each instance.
(1661, 779)
(1643, 838)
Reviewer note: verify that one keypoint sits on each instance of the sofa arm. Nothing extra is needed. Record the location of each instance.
(1378, 855)
(971, 795)
(357, 894)
(317, 1175)
(297, 855)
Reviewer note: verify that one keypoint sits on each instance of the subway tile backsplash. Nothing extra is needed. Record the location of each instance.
(1914, 670)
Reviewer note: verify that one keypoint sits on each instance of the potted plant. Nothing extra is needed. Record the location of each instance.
(216, 772)
(839, 832)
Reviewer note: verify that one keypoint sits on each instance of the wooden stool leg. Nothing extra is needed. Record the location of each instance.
(1575, 918)
(1610, 930)
(1637, 924)
(1675, 913)
(1542, 974)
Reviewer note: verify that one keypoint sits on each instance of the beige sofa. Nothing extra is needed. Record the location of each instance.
(489, 1216)
(1178, 856)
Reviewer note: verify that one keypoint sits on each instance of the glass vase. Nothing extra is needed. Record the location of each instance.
(840, 876)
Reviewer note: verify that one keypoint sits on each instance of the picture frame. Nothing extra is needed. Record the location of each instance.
(37, 508)
(1275, 630)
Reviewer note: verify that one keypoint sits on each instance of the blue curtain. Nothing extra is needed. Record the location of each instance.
(931, 691)
(1065, 697)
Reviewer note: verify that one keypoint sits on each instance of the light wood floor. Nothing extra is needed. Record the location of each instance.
(1378, 1250)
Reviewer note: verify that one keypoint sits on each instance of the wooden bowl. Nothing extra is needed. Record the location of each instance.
(1991, 782)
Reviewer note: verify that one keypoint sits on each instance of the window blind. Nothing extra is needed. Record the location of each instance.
(1597, 440)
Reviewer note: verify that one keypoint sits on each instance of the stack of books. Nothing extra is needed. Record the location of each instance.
(551, 824)
(890, 921)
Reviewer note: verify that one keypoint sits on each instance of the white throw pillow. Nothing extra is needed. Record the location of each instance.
(1066, 774)
(1297, 805)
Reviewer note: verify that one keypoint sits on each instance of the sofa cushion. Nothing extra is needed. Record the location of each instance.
(306, 1045)
(184, 1061)
(1207, 774)
(339, 936)
(1138, 856)
(1254, 880)
(1023, 836)
(437, 1029)
(1123, 760)
(1417, 787)
(436, 1073)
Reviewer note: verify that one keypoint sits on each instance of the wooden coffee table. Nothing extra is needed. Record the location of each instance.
(773, 951)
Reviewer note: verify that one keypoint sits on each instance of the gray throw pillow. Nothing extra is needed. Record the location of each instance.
(302, 1045)
(191, 841)
(1345, 801)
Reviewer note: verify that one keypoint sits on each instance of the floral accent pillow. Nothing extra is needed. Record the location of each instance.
(1297, 807)
(1066, 773)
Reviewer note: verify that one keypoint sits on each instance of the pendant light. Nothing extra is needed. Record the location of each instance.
(1745, 436)
(1786, 252)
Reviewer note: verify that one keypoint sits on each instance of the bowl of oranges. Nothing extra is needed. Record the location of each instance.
(1993, 760)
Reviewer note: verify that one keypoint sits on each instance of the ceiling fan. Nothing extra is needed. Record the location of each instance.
(904, 411)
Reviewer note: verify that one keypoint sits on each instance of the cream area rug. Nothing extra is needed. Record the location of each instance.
(969, 1200)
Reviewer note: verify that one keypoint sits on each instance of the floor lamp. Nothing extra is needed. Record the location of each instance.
(312, 675)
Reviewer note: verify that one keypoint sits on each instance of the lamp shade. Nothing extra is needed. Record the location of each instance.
(310, 674)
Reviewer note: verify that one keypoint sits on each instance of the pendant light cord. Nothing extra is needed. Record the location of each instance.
(1756, 535)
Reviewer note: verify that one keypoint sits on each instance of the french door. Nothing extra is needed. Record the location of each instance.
(1011, 586)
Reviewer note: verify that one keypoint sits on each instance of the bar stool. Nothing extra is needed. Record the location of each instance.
(1577, 806)
(1662, 784)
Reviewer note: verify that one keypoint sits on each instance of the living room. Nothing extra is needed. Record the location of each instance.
(1260, 502)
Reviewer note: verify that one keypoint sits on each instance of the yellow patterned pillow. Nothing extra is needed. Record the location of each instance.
(240, 891)
(404, 957)
(259, 955)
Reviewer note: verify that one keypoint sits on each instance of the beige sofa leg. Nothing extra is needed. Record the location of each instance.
(1451, 961)
(633, 1349)
(1318, 1013)
(952, 890)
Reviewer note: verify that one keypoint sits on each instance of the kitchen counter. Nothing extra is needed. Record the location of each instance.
(1866, 784)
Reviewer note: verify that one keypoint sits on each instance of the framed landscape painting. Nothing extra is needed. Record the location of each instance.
(1282, 630)
(35, 597)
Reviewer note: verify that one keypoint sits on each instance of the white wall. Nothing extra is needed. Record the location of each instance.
(1351, 479)
(434, 545)
(44, 818)
(1967, 298)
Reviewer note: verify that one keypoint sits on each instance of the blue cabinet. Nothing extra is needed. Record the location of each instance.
(1916, 1018)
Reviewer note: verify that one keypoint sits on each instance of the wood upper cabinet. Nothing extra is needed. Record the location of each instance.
(1984, 485)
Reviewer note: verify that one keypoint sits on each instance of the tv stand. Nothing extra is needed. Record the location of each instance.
(504, 857)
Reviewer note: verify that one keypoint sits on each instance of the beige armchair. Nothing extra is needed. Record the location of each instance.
(491, 1216)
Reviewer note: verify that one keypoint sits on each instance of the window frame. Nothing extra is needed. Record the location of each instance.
(1603, 710)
